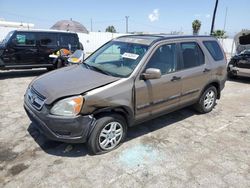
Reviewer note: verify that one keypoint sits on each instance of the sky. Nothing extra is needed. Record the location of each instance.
(156, 16)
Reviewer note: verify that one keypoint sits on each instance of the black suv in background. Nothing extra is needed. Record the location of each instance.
(31, 48)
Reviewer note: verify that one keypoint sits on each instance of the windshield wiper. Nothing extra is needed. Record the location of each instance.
(100, 70)
(96, 69)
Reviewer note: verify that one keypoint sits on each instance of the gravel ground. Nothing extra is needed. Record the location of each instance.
(181, 149)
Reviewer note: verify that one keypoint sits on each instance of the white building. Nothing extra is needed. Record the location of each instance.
(93, 40)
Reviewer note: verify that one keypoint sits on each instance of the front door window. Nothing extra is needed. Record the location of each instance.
(164, 58)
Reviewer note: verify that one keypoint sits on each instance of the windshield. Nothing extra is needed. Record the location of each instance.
(117, 58)
(6, 39)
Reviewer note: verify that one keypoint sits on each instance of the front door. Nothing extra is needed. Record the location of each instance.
(156, 96)
(23, 50)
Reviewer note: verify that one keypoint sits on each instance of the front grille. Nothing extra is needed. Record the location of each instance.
(35, 98)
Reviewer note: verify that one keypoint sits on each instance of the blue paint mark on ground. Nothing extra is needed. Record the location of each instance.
(139, 155)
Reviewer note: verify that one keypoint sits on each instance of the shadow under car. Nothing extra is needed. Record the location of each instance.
(77, 150)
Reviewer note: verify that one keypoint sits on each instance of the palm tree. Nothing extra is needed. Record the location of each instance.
(219, 34)
(196, 24)
(111, 29)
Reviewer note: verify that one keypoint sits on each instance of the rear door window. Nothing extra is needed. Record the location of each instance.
(68, 41)
(48, 39)
(25, 39)
(192, 55)
(214, 50)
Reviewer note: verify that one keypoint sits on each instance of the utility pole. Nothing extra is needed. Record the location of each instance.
(91, 25)
(126, 23)
(215, 9)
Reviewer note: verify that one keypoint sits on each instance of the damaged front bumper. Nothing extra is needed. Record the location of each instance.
(70, 130)
(237, 71)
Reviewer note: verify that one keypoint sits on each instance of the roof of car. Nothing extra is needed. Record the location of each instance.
(148, 39)
(43, 30)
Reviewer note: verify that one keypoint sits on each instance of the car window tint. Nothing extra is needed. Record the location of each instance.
(48, 39)
(214, 50)
(68, 41)
(164, 58)
(25, 39)
(192, 55)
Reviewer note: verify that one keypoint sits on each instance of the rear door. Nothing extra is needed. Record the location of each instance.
(23, 49)
(48, 43)
(158, 95)
(195, 70)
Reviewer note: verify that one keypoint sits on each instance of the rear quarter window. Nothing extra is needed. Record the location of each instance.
(214, 50)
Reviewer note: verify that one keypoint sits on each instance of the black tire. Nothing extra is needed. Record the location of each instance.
(231, 75)
(59, 64)
(94, 141)
(200, 106)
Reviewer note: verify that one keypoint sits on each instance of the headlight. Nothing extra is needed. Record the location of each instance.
(68, 107)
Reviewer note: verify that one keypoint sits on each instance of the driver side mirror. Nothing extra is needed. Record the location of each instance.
(151, 73)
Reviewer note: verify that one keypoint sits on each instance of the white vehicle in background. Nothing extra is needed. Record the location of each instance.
(239, 65)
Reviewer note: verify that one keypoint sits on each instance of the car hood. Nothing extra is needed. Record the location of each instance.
(72, 80)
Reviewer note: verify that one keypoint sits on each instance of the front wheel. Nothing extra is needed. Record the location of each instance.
(108, 134)
(207, 100)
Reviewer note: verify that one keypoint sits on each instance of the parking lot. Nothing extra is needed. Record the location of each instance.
(181, 149)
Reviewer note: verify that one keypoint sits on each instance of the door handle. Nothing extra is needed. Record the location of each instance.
(206, 70)
(175, 78)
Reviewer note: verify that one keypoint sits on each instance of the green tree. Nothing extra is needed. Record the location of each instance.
(196, 25)
(219, 34)
(111, 29)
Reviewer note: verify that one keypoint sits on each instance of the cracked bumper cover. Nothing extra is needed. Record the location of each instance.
(70, 130)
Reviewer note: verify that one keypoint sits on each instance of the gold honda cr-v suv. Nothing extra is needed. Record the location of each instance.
(128, 80)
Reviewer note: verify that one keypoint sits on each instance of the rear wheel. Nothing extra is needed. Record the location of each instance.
(59, 64)
(207, 100)
(108, 134)
(231, 75)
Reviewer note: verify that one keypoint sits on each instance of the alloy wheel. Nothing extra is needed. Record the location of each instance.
(209, 99)
(110, 136)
